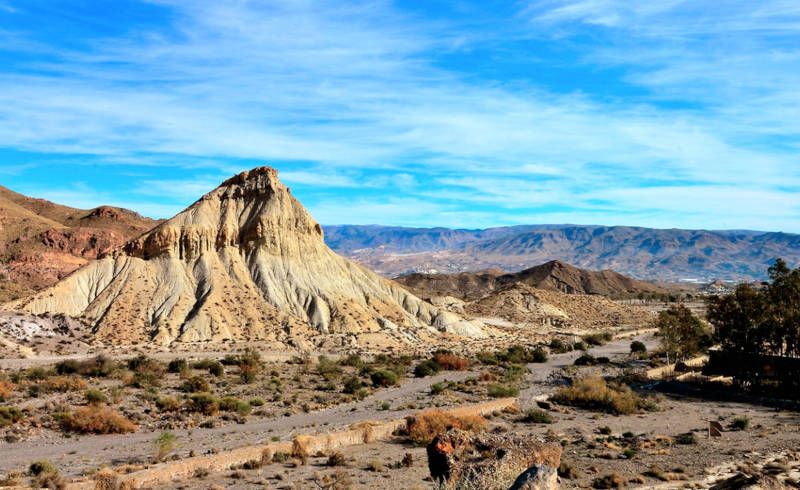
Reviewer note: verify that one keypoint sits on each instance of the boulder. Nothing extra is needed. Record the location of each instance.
(488, 461)
(539, 477)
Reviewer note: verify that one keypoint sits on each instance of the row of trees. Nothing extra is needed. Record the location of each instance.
(758, 332)
(762, 322)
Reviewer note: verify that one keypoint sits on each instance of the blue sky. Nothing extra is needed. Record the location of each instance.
(463, 114)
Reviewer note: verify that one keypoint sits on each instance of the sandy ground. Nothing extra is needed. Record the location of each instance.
(78, 454)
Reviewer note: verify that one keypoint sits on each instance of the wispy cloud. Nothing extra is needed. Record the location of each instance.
(373, 99)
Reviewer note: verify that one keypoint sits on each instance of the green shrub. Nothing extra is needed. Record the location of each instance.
(537, 416)
(383, 378)
(437, 388)
(247, 375)
(426, 368)
(257, 402)
(515, 373)
(741, 423)
(99, 367)
(638, 347)
(386, 406)
(328, 368)
(599, 338)
(163, 445)
(204, 403)
(10, 415)
(585, 359)
(195, 384)
(352, 385)
(42, 467)
(579, 346)
(233, 404)
(686, 438)
(539, 355)
(488, 358)
(558, 346)
(167, 404)
(95, 396)
(37, 373)
(497, 390)
(68, 366)
(629, 453)
(178, 366)
(213, 367)
(352, 360)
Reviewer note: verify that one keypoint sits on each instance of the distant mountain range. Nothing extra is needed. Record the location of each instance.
(642, 253)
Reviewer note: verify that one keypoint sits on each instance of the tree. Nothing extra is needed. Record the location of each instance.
(682, 334)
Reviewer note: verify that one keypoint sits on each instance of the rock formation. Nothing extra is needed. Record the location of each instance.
(522, 304)
(42, 242)
(461, 459)
(244, 262)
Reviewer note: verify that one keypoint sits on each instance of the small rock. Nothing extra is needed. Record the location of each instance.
(539, 477)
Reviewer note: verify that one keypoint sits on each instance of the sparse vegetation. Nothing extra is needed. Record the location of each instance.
(383, 378)
(638, 347)
(96, 419)
(599, 338)
(585, 359)
(204, 403)
(595, 394)
(424, 427)
(537, 416)
(497, 390)
(94, 397)
(740, 423)
(163, 445)
(10, 416)
(450, 362)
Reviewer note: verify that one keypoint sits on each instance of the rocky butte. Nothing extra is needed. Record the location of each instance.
(244, 262)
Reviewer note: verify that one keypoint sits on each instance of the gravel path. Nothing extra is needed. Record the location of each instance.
(79, 453)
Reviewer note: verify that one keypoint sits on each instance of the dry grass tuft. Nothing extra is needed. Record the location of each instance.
(300, 447)
(6, 387)
(593, 393)
(451, 362)
(106, 479)
(368, 428)
(266, 456)
(97, 419)
(424, 427)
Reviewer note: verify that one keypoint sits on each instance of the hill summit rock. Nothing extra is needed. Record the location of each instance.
(244, 262)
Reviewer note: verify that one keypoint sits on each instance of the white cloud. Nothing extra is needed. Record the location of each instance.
(351, 88)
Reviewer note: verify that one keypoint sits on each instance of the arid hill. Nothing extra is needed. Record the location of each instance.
(42, 242)
(554, 276)
(244, 262)
(522, 304)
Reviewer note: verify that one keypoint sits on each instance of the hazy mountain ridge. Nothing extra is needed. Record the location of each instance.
(643, 253)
